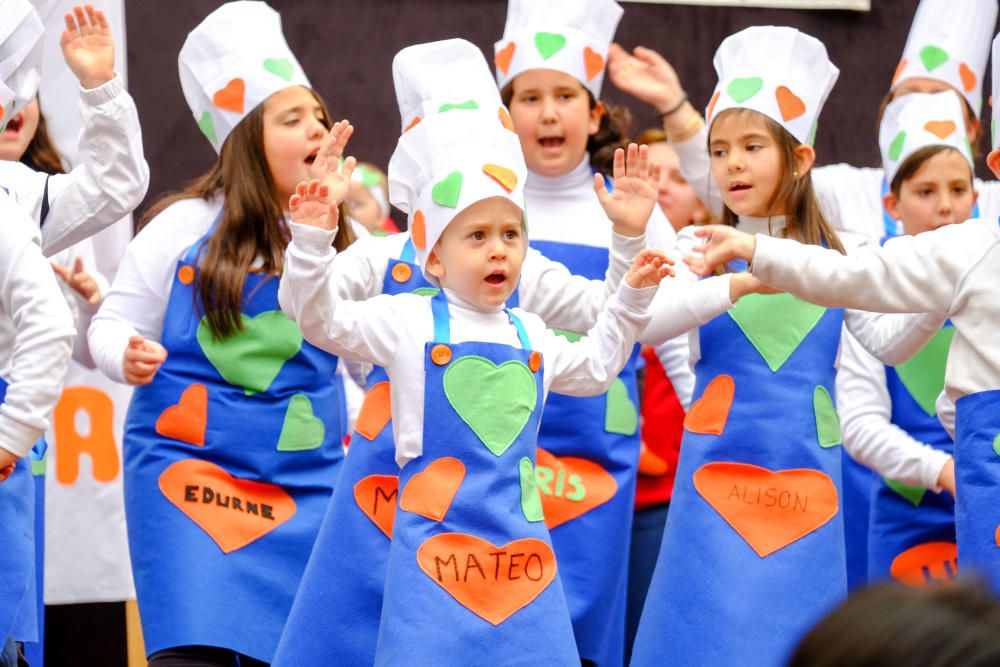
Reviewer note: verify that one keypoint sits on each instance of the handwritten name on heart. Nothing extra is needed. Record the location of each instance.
(376, 496)
(926, 564)
(571, 486)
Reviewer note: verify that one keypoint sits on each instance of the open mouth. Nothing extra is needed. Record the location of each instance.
(14, 125)
(312, 156)
(496, 278)
(551, 142)
(739, 187)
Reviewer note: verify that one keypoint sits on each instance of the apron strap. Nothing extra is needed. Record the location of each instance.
(409, 254)
(191, 257)
(521, 333)
(442, 324)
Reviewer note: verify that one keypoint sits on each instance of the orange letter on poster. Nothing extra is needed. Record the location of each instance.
(99, 443)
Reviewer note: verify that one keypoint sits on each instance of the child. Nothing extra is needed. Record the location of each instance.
(754, 540)
(368, 201)
(233, 439)
(346, 571)
(464, 425)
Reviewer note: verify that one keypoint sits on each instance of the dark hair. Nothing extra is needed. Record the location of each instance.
(252, 222)
(893, 624)
(915, 161)
(41, 154)
(970, 119)
(612, 133)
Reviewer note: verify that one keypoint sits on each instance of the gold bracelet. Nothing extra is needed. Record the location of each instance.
(692, 128)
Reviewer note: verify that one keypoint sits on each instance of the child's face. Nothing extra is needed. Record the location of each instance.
(553, 119)
(19, 132)
(676, 197)
(480, 253)
(746, 163)
(293, 129)
(362, 206)
(939, 193)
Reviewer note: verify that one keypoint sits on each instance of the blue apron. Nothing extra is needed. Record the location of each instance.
(597, 437)
(912, 531)
(471, 577)
(977, 478)
(753, 549)
(231, 454)
(335, 617)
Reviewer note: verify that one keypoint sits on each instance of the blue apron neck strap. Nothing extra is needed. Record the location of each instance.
(521, 333)
(191, 257)
(409, 254)
(442, 324)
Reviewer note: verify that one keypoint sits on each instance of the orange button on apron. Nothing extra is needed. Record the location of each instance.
(401, 272)
(535, 361)
(441, 354)
(185, 274)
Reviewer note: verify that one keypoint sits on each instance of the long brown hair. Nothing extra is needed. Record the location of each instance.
(41, 154)
(804, 221)
(252, 225)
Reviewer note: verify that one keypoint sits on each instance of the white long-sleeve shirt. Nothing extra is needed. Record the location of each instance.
(391, 331)
(34, 311)
(82, 310)
(951, 271)
(108, 184)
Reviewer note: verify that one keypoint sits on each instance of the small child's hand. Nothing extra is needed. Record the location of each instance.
(721, 244)
(648, 269)
(311, 205)
(88, 46)
(328, 167)
(946, 479)
(631, 202)
(645, 74)
(8, 461)
(741, 284)
(142, 359)
(81, 281)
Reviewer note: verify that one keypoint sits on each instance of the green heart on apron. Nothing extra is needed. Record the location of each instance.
(253, 357)
(775, 324)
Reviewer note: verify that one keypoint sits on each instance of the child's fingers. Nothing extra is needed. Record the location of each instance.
(102, 21)
(70, 23)
(300, 189)
(601, 188)
(643, 168)
(655, 174)
(62, 271)
(294, 202)
(349, 165)
(78, 265)
(135, 342)
(631, 158)
(618, 166)
(6, 472)
(81, 20)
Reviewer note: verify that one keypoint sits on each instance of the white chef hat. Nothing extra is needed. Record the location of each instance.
(231, 62)
(21, 33)
(949, 41)
(570, 36)
(374, 183)
(919, 120)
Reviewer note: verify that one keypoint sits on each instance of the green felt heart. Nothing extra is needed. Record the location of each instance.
(914, 494)
(426, 291)
(620, 415)
(495, 401)
(896, 147)
(571, 336)
(549, 43)
(933, 56)
(996, 445)
(446, 191)
(470, 104)
(775, 324)
(38, 465)
(368, 177)
(281, 67)
(207, 127)
(531, 500)
(827, 421)
(923, 373)
(301, 429)
(742, 90)
(253, 357)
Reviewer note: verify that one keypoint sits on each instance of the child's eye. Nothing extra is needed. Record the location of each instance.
(478, 236)
(925, 192)
(753, 148)
(960, 190)
(511, 234)
(718, 152)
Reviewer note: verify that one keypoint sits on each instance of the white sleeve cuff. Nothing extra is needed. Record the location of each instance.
(106, 92)
(17, 438)
(311, 240)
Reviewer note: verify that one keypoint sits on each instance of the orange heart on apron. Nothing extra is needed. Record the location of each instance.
(571, 487)
(187, 420)
(930, 563)
(429, 493)
(376, 496)
(492, 582)
(234, 512)
(376, 411)
(769, 509)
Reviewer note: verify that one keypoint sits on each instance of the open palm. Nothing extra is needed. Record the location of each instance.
(631, 202)
(88, 46)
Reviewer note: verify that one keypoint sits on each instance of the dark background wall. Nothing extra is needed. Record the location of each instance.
(346, 48)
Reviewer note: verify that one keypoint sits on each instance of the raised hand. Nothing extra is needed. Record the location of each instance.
(631, 202)
(328, 167)
(648, 268)
(645, 74)
(720, 244)
(81, 281)
(142, 359)
(88, 47)
(312, 205)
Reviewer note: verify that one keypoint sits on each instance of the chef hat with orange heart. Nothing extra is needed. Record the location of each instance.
(919, 120)
(780, 72)
(950, 41)
(231, 62)
(457, 154)
(20, 56)
(570, 36)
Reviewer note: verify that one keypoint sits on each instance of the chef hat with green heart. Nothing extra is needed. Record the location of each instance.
(20, 56)
(780, 72)
(441, 77)
(919, 120)
(231, 62)
(570, 36)
(950, 41)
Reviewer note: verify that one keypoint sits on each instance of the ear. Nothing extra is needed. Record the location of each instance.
(434, 265)
(993, 162)
(594, 123)
(891, 204)
(805, 158)
(972, 127)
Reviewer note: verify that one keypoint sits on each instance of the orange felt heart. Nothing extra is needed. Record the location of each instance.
(376, 496)
(376, 411)
(571, 487)
(709, 413)
(231, 97)
(790, 104)
(505, 118)
(418, 230)
(968, 77)
(769, 509)
(930, 563)
(711, 106)
(505, 177)
(187, 420)
(492, 582)
(409, 126)
(899, 70)
(650, 464)
(941, 129)
(429, 493)
(234, 512)
(593, 62)
(503, 57)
